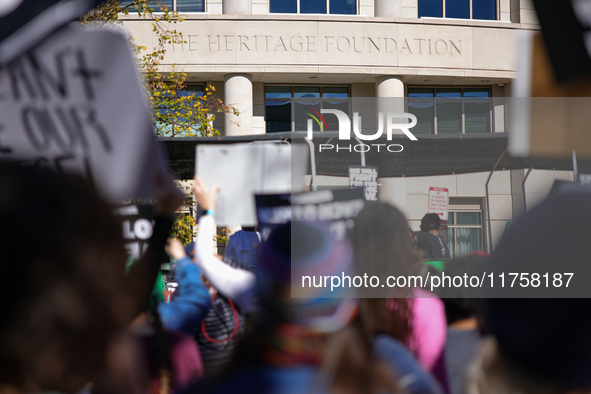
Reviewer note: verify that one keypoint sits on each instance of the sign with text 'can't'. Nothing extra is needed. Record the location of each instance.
(438, 201)
(75, 104)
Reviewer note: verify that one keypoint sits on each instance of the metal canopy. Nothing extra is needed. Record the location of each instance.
(430, 155)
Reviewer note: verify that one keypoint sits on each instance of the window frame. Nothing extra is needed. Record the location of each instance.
(460, 205)
(299, 13)
(203, 85)
(497, 16)
(185, 12)
(293, 99)
(462, 100)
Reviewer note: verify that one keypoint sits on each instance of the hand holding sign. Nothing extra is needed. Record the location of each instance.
(204, 196)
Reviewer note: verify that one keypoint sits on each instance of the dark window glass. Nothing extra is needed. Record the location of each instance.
(283, 6)
(335, 92)
(476, 93)
(425, 117)
(449, 93)
(457, 9)
(348, 7)
(331, 120)
(420, 93)
(433, 8)
(192, 90)
(278, 92)
(477, 110)
(421, 105)
(306, 91)
(308, 110)
(484, 9)
(477, 117)
(451, 242)
(190, 5)
(278, 117)
(468, 217)
(449, 117)
(312, 6)
(449, 111)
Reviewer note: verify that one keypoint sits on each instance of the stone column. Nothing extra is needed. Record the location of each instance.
(238, 94)
(238, 7)
(390, 98)
(391, 8)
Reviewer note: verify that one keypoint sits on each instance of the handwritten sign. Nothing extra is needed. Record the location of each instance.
(366, 178)
(75, 104)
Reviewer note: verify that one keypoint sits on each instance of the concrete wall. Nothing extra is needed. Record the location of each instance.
(352, 48)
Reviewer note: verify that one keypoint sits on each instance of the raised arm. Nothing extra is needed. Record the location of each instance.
(229, 281)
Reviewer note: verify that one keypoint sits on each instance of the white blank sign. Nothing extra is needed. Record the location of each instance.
(243, 170)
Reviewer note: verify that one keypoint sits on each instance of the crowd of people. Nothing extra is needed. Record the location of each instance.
(74, 321)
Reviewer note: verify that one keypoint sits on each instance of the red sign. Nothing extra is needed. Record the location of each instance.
(438, 201)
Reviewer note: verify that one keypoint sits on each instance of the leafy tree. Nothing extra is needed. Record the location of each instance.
(177, 111)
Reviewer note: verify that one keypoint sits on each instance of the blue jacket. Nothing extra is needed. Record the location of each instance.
(190, 302)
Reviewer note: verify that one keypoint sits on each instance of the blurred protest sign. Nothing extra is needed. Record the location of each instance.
(137, 228)
(25, 23)
(336, 208)
(75, 104)
(243, 170)
(365, 177)
(552, 92)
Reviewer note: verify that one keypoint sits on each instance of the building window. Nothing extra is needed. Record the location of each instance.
(341, 7)
(450, 110)
(464, 231)
(463, 9)
(174, 5)
(171, 129)
(288, 108)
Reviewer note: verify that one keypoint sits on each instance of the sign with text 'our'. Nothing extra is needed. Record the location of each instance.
(75, 104)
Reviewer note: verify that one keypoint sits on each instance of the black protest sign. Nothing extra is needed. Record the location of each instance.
(138, 226)
(75, 104)
(336, 209)
(366, 178)
(25, 23)
(566, 28)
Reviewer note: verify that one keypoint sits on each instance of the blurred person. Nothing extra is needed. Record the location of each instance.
(235, 283)
(540, 345)
(242, 250)
(428, 239)
(411, 315)
(464, 313)
(164, 333)
(219, 329)
(303, 345)
(64, 310)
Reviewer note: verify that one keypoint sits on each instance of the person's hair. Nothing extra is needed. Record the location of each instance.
(63, 257)
(349, 361)
(430, 221)
(492, 372)
(383, 248)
